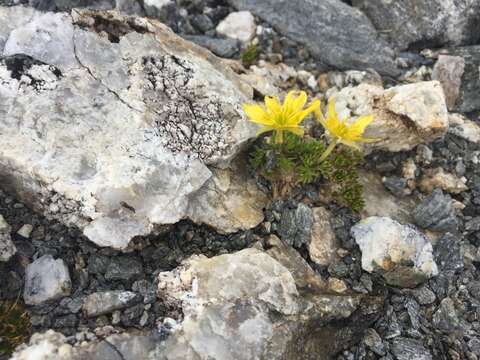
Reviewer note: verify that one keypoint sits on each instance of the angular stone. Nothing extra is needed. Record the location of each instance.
(464, 128)
(445, 318)
(221, 47)
(449, 70)
(468, 100)
(410, 349)
(296, 225)
(229, 201)
(449, 253)
(336, 34)
(7, 247)
(149, 109)
(399, 252)
(323, 243)
(238, 25)
(436, 212)
(46, 279)
(438, 178)
(380, 202)
(405, 115)
(233, 322)
(424, 23)
(100, 303)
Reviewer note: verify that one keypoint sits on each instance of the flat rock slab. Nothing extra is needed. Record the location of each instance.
(108, 122)
(424, 23)
(337, 34)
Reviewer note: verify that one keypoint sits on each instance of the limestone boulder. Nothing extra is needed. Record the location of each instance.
(119, 121)
(405, 115)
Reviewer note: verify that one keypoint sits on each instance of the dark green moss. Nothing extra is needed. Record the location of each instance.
(249, 56)
(297, 162)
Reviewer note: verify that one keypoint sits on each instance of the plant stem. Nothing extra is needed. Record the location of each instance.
(329, 150)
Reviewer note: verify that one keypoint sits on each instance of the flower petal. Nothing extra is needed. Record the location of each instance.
(273, 105)
(299, 102)
(297, 118)
(359, 126)
(257, 114)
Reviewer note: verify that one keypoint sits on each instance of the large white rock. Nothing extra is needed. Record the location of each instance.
(405, 115)
(238, 25)
(117, 123)
(401, 253)
(251, 305)
(46, 279)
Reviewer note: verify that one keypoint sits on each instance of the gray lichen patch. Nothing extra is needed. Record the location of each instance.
(180, 115)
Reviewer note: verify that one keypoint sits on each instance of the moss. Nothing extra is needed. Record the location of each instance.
(15, 326)
(296, 162)
(249, 56)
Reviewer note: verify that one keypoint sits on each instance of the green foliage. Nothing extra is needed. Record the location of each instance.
(14, 327)
(249, 56)
(297, 161)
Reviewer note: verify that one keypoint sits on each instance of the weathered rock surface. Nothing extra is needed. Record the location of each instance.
(46, 279)
(238, 25)
(100, 303)
(399, 252)
(464, 128)
(230, 319)
(405, 116)
(229, 201)
(438, 178)
(149, 112)
(416, 23)
(436, 212)
(7, 247)
(468, 99)
(449, 71)
(337, 34)
(380, 202)
(323, 243)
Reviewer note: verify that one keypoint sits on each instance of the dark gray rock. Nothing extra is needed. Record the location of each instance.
(445, 318)
(474, 289)
(424, 23)
(336, 34)
(123, 268)
(474, 346)
(67, 5)
(374, 342)
(396, 185)
(448, 253)
(436, 212)
(296, 225)
(226, 48)
(146, 289)
(409, 349)
(131, 316)
(468, 99)
(424, 295)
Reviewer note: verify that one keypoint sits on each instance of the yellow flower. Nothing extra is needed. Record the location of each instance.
(280, 118)
(340, 131)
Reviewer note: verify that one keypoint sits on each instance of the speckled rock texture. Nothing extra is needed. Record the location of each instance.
(118, 119)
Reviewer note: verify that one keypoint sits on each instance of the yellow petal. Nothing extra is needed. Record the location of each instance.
(319, 115)
(297, 118)
(358, 128)
(299, 102)
(257, 114)
(273, 105)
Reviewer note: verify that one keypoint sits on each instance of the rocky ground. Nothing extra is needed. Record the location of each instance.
(308, 277)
